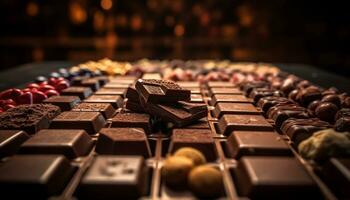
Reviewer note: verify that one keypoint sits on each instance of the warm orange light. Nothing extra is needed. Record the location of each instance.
(32, 9)
(106, 4)
(179, 30)
(245, 15)
(136, 22)
(77, 13)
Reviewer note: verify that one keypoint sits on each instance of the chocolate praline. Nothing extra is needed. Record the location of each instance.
(326, 111)
(332, 98)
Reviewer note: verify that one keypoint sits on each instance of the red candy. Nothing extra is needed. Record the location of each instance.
(38, 96)
(25, 98)
(10, 94)
(51, 93)
(61, 85)
(52, 81)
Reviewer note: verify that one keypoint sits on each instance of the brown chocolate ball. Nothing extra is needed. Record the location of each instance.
(308, 95)
(196, 156)
(206, 182)
(313, 105)
(175, 171)
(326, 111)
(332, 98)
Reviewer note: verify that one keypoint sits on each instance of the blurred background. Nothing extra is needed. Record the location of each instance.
(288, 31)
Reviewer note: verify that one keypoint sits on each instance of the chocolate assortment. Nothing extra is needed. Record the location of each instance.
(174, 130)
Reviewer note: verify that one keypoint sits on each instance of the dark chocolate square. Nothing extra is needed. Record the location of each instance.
(70, 143)
(123, 141)
(10, 141)
(65, 103)
(91, 122)
(222, 108)
(106, 109)
(229, 123)
(133, 120)
(256, 143)
(81, 92)
(200, 139)
(114, 177)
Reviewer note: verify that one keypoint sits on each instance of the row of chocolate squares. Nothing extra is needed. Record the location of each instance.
(75, 143)
(110, 176)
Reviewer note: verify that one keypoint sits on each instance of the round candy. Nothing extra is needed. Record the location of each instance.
(176, 169)
(196, 156)
(332, 98)
(206, 182)
(326, 111)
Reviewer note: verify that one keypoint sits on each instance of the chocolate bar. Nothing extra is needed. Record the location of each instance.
(222, 108)
(123, 141)
(70, 143)
(161, 91)
(106, 109)
(273, 177)
(10, 141)
(65, 103)
(91, 122)
(256, 143)
(29, 118)
(35, 176)
(200, 139)
(229, 123)
(81, 92)
(180, 114)
(114, 177)
(135, 120)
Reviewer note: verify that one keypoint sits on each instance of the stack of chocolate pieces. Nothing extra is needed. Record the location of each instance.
(165, 101)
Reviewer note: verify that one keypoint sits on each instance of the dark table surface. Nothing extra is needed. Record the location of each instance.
(19, 76)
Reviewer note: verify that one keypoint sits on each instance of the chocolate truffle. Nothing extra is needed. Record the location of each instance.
(206, 182)
(175, 170)
(196, 156)
(332, 98)
(326, 111)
